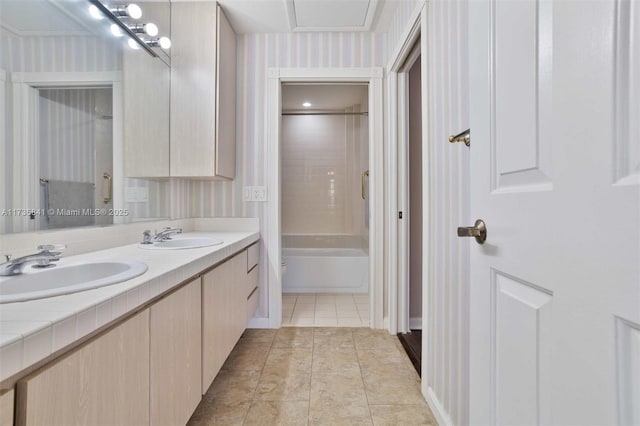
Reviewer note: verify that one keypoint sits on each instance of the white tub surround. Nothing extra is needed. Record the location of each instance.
(325, 264)
(33, 332)
(325, 270)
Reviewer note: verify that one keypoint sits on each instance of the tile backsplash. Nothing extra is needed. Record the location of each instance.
(87, 239)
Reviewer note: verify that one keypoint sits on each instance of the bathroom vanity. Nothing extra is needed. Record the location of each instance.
(149, 362)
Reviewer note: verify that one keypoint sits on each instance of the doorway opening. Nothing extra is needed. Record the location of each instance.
(371, 78)
(410, 169)
(75, 145)
(325, 204)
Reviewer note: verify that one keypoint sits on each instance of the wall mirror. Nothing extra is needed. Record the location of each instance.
(76, 93)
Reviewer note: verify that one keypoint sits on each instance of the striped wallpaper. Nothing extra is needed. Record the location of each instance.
(399, 25)
(67, 134)
(446, 369)
(57, 54)
(448, 330)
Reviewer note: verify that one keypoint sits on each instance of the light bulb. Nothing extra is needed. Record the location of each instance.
(133, 44)
(306, 104)
(95, 12)
(165, 43)
(116, 30)
(131, 10)
(134, 11)
(151, 29)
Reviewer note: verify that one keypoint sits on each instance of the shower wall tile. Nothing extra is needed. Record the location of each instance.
(321, 166)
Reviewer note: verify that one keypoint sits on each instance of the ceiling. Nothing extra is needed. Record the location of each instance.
(283, 16)
(246, 16)
(323, 96)
(42, 18)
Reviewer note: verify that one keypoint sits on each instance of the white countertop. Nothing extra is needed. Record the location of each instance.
(31, 331)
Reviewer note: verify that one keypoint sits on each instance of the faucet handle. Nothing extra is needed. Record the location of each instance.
(8, 257)
(49, 247)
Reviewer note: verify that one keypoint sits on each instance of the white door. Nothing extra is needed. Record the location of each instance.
(555, 173)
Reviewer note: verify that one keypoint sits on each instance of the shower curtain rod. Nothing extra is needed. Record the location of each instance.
(322, 113)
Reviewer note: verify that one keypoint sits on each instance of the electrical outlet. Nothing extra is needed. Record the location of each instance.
(247, 192)
(131, 195)
(259, 193)
(143, 195)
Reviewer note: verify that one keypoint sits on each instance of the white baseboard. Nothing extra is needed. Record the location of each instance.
(441, 415)
(415, 323)
(258, 322)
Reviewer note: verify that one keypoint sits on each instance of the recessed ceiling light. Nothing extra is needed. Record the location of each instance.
(306, 104)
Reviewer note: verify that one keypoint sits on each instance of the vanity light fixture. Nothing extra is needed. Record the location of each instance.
(163, 42)
(132, 11)
(120, 28)
(149, 29)
(306, 104)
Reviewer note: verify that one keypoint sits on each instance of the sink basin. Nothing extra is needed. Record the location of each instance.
(65, 279)
(182, 243)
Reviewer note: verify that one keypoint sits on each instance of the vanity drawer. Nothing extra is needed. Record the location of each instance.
(252, 281)
(252, 303)
(253, 256)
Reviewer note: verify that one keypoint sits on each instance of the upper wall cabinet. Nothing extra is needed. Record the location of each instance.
(146, 109)
(203, 92)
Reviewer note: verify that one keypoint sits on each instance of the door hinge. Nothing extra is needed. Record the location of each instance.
(399, 215)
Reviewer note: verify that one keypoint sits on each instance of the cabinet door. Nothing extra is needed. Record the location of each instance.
(226, 100)
(105, 382)
(224, 307)
(203, 92)
(239, 296)
(216, 321)
(146, 91)
(176, 367)
(6, 408)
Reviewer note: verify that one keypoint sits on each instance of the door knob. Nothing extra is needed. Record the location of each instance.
(479, 231)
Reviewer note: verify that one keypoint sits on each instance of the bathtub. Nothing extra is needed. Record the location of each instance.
(325, 264)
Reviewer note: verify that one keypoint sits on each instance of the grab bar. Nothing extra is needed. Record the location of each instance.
(365, 175)
(108, 189)
(45, 183)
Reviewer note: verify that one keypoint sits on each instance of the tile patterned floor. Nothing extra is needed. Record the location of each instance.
(325, 310)
(315, 376)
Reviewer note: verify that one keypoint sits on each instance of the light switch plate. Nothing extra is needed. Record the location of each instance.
(247, 192)
(259, 193)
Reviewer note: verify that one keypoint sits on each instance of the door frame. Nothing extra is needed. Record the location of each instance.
(26, 161)
(398, 178)
(3, 134)
(272, 230)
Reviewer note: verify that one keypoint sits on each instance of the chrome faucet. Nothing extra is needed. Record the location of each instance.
(43, 258)
(163, 235)
(166, 233)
